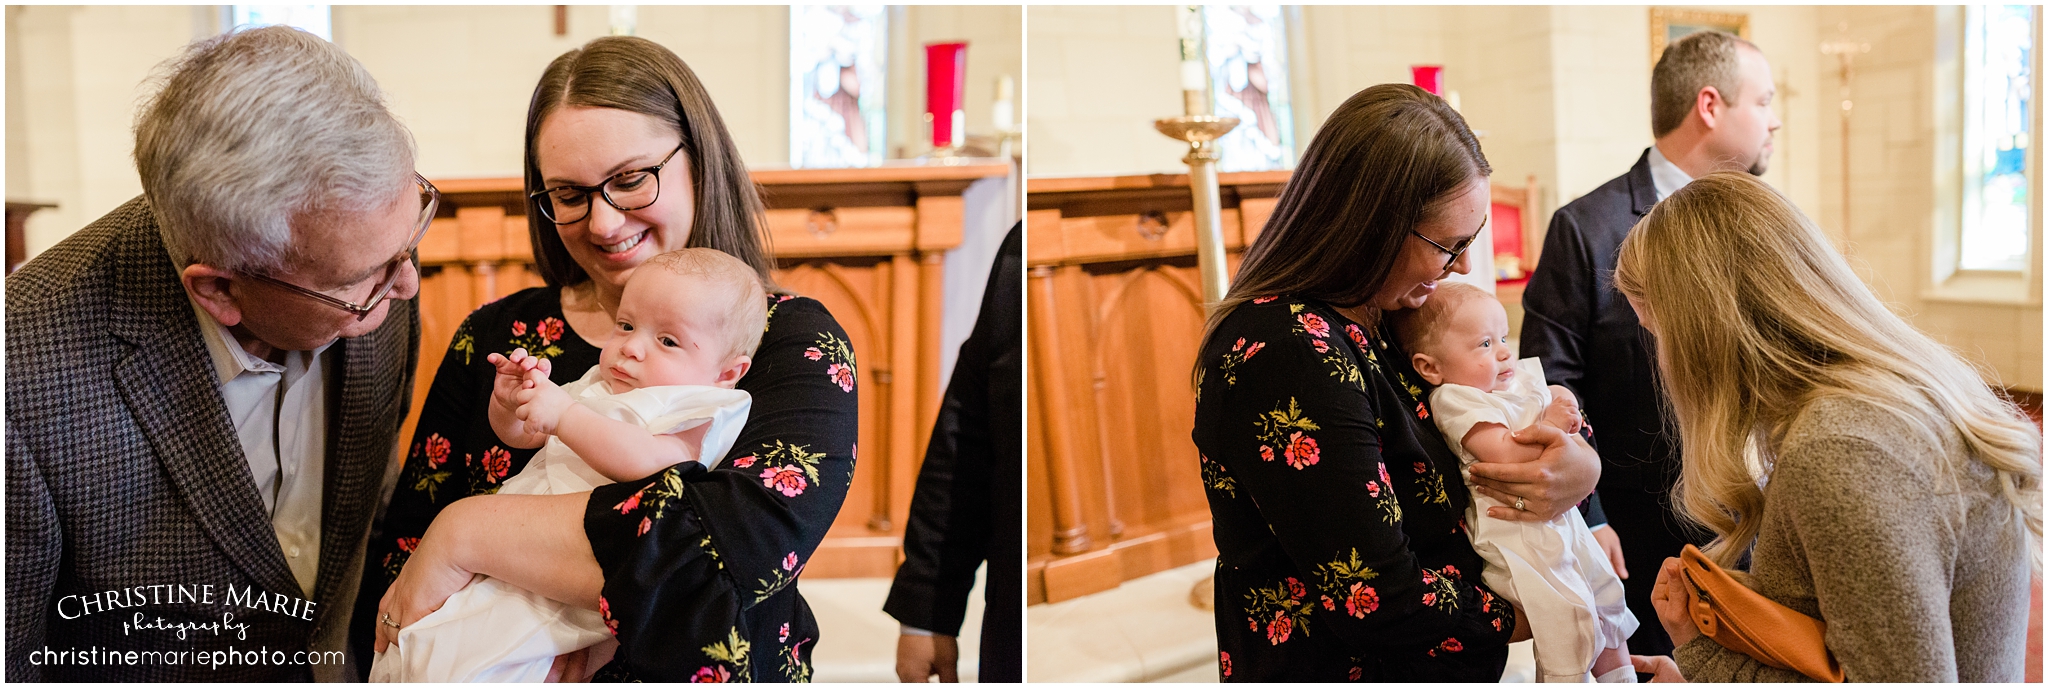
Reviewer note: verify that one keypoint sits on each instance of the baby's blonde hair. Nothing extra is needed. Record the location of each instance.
(1417, 328)
(746, 301)
(1756, 317)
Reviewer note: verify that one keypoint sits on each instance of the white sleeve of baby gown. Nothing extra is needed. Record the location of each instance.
(1456, 408)
(671, 409)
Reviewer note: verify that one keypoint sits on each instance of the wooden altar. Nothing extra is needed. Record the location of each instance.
(1116, 312)
(869, 243)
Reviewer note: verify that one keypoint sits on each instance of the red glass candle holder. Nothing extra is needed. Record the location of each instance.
(945, 91)
(1430, 78)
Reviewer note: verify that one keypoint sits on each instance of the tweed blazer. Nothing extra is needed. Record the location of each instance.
(130, 507)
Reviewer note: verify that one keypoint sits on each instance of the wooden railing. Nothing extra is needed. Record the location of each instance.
(868, 243)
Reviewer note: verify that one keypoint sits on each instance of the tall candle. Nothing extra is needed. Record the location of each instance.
(945, 92)
(1005, 114)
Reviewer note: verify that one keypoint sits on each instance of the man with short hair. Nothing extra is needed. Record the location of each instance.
(1710, 108)
(204, 386)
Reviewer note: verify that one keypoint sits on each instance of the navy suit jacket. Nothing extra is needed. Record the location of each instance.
(1589, 338)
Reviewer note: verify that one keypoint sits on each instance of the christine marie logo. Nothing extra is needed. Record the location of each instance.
(140, 596)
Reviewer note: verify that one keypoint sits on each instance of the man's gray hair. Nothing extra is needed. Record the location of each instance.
(1699, 60)
(248, 132)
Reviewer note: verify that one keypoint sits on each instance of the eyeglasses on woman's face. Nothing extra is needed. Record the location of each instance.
(1454, 250)
(628, 190)
(388, 276)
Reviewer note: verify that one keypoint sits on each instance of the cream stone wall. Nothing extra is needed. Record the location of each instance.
(1895, 209)
(459, 76)
(1099, 76)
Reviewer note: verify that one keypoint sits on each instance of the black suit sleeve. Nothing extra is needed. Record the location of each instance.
(34, 551)
(1557, 306)
(973, 447)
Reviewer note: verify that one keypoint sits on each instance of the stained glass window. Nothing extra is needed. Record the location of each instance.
(1247, 51)
(838, 62)
(1998, 89)
(315, 19)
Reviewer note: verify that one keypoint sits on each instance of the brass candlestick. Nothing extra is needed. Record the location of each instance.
(1200, 132)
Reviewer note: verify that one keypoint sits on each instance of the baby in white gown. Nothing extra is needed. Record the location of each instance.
(1554, 571)
(662, 394)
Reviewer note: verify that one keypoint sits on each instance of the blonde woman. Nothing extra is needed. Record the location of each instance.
(1891, 493)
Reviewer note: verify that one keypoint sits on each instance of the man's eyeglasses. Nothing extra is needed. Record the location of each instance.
(628, 190)
(430, 200)
(1455, 250)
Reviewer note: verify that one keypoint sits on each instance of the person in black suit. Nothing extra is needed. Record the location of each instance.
(1711, 98)
(969, 504)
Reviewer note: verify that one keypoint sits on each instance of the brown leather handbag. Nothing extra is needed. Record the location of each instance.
(1742, 620)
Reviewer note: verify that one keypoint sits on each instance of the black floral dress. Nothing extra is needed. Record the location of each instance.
(699, 566)
(1338, 509)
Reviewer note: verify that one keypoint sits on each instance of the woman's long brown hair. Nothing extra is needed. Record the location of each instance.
(1380, 164)
(639, 75)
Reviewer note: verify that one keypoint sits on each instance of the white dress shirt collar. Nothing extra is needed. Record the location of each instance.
(1665, 174)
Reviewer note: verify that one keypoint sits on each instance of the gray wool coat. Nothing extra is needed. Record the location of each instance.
(1907, 550)
(124, 472)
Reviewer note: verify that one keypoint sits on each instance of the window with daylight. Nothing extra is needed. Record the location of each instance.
(838, 63)
(315, 19)
(1998, 113)
(1247, 53)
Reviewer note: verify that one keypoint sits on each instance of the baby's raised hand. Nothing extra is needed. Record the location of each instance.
(510, 378)
(541, 403)
(1563, 411)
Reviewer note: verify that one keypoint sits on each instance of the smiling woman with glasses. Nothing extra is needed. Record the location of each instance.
(627, 158)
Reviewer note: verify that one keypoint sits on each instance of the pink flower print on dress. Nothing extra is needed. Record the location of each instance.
(1429, 598)
(518, 329)
(785, 633)
(1265, 452)
(646, 524)
(1314, 324)
(1384, 477)
(1224, 661)
(712, 674)
(1329, 604)
(604, 609)
(1363, 600)
(550, 329)
(497, 463)
(1254, 349)
(1421, 411)
(813, 353)
(1372, 489)
(1281, 627)
(1262, 300)
(1428, 577)
(1239, 346)
(786, 479)
(1322, 347)
(1356, 673)
(789, 562)
(437, 450)
(841, 374)
(1450, 570)
(1356, 334)
(1295, 589)
(1421, 467)
(406, 544)
(632, 502)
(743, 462)
(1302, 451)
(1451, 645)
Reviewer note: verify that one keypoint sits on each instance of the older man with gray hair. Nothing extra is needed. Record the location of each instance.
(1710, 110)
(204, 387)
